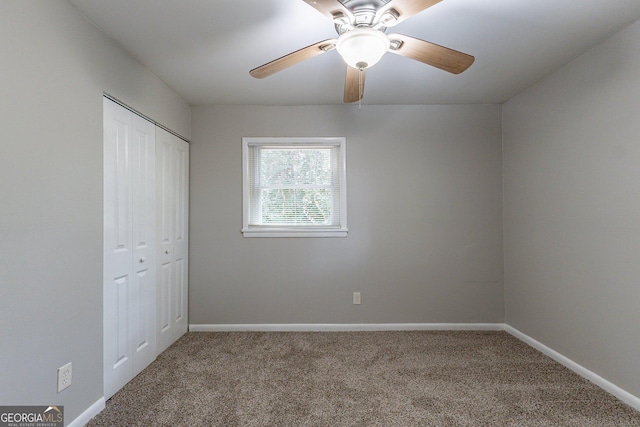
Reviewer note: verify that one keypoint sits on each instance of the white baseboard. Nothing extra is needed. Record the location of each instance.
(89, 413)
(341, 327)
(608, 386)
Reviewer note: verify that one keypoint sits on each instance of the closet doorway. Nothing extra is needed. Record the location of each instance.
(145, 257)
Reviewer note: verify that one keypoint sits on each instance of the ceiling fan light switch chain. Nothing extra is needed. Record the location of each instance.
(360, 87)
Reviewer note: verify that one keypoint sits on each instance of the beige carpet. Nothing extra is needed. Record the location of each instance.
(360, 379)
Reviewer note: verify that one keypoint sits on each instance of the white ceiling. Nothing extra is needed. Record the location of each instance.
(204, 49)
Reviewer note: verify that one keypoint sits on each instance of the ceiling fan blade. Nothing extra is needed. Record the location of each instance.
(405, 9)
(432, 54)
(353, 85)
(292, 59)
(330, 8)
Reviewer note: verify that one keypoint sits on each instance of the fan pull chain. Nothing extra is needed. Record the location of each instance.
(360, 71)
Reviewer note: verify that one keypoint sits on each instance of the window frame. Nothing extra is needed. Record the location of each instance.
(249, 230)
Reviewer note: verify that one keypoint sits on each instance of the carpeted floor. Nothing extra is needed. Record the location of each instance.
(416, 378)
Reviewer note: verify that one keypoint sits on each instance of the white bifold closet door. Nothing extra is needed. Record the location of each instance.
(172, 201)
(129, 282)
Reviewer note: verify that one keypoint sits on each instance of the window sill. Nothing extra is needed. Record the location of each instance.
(287, 232)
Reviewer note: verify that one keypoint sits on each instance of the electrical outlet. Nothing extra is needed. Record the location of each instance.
(64, 377)
(356, 298)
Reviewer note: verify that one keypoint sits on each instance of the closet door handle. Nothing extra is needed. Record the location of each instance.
(166, 251)
(142, 260)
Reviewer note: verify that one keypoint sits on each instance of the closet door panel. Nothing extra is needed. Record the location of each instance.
(118, 253)
(165, 200)
(129, 270)
(118, 238)
(121, 350)
(172, 172)
(143, 176)
(164, 293)
(165, 192)
(181, 233)
(180, 293)
(144, 333)
(144, 242)
(181, 193)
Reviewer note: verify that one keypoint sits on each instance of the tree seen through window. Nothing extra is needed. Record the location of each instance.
(295, 186)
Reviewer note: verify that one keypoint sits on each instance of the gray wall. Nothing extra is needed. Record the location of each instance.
(424, 214)
(55, 66)
(572, 210)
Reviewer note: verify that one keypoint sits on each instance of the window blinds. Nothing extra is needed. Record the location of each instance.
(294, 185)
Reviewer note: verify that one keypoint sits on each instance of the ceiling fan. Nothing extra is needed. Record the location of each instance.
(362, 41)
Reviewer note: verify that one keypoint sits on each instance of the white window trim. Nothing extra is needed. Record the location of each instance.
(293, 231)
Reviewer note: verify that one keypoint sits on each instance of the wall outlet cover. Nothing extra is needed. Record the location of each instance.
(64, 377)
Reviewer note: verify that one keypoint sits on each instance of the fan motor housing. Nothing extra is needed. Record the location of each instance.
(363, 15)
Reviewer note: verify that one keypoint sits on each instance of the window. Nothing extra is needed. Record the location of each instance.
(294, 187)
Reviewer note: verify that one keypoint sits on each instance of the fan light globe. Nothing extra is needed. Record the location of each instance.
(362, 47)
